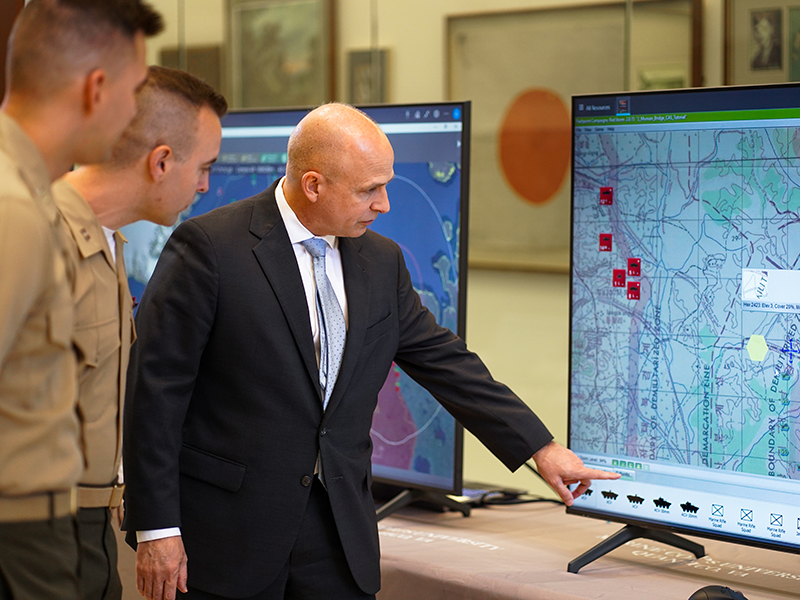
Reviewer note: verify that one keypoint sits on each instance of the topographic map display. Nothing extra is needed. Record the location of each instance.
(674, 359)
(414, 438)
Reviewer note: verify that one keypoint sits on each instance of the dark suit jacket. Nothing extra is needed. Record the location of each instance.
(224, 419)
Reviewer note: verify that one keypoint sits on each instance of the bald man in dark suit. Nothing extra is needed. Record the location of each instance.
(240, 456)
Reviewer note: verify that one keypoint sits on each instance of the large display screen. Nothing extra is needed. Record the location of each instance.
(685, 310)
(416, 443)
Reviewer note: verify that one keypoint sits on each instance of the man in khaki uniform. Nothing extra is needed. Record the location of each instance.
(73, 68)
(161, 161)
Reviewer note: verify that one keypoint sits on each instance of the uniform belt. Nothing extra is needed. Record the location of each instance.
(100, 497)
(37, 507)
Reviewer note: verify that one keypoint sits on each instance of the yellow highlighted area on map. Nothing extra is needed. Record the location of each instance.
(757, 348)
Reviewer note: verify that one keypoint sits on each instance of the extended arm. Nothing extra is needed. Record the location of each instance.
(440, 361)
(462, 383)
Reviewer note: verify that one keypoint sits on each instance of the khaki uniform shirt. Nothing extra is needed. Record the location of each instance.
(103, 334)
(39, 431)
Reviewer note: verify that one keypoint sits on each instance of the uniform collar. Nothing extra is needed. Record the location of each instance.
(83, 223)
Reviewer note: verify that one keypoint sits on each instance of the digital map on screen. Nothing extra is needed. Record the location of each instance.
(686, 297)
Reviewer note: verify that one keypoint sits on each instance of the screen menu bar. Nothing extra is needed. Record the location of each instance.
(677, 101)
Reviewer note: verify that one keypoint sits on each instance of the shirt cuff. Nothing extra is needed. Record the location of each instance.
(157, 534)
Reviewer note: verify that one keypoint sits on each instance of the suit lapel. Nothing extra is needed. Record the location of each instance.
(355, 268)
(275, 255)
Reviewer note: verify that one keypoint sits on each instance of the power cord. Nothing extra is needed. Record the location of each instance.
(500, 499)
(505, 498)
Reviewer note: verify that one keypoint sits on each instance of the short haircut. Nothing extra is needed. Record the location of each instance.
(55, 40)
(168, 105)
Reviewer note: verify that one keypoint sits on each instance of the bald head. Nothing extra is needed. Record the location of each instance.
(325, 135)
(339, 165)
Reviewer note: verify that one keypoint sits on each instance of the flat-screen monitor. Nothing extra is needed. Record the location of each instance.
(416, 443)
(685, 310)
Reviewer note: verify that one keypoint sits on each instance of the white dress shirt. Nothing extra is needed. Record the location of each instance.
(305, 262)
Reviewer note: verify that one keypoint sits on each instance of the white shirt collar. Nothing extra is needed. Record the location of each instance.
(112, 242)
(296, 230)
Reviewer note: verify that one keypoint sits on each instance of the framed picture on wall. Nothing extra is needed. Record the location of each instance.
(280, 52)
(367, 76)
(520, 69)
(204, 62)
(762, 41)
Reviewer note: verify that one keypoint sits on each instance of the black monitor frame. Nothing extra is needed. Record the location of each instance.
(781, 96)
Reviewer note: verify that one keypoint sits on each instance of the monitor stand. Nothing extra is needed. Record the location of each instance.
(632, 532)
(409, 495)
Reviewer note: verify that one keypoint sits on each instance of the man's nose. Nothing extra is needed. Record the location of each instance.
(381, 205)
(202, 185)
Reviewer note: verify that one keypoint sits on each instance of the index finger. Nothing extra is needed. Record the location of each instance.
(597, 474)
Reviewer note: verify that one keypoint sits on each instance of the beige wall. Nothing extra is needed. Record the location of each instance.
(204, 24)
(413, 30)
(518, 322)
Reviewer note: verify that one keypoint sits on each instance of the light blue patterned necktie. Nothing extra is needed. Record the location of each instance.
(332, 328)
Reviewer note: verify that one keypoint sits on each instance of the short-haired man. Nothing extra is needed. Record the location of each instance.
(161, 161)
(73, 68)
(267, 330)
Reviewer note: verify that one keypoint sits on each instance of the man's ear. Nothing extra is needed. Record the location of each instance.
(159, 162)
(310, 183)
(93, 89)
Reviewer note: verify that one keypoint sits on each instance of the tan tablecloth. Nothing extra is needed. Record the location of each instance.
(521, 552)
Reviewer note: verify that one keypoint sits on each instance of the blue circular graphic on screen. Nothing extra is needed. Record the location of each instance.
(456, 113)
